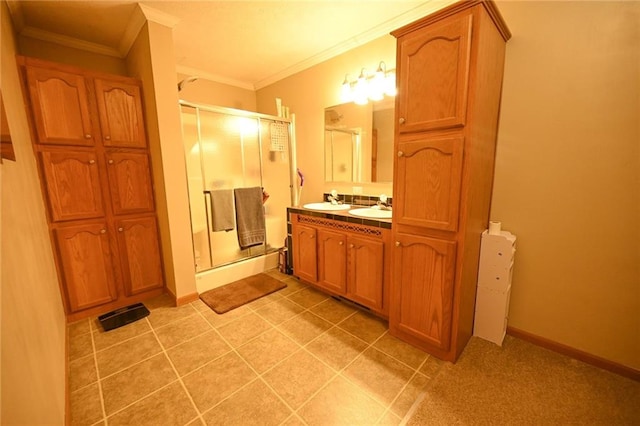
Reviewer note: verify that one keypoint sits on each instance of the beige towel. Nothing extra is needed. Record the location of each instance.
(249, 216)
(222, 210)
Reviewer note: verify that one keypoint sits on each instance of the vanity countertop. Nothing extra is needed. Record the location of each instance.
(342, 216)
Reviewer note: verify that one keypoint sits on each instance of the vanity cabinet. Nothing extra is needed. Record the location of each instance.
(305, 258)
(96, 179)
(449, 67)
(344, 259)
(332, 260)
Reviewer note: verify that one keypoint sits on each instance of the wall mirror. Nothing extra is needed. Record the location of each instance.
(358, 142)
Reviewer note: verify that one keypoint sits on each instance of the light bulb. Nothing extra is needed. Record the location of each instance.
(377, 84)
(345, 92)
(361, 89)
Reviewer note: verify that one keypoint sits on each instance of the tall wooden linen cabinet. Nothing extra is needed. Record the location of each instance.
(449, 67)
(91, 147)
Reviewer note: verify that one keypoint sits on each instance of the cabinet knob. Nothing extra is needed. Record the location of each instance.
(92, 161)
(87, 136)
(400, 153)
(340, 243)
(397, 243)
(120, 229)
(401, 120)
(107, 138)
(110, 161)
(312, 237)
(351, 246)
(103, 231)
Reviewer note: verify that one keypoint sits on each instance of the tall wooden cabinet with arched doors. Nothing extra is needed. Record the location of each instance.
(96, 179)
(449, 67)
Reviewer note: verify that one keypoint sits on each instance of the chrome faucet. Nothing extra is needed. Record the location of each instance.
(333, 197)
(382, 203)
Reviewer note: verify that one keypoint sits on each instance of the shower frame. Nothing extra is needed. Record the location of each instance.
(249, 115)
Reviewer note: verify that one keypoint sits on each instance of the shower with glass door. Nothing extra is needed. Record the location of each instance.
(227, 149)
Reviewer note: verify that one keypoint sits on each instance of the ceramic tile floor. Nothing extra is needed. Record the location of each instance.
(294, 357)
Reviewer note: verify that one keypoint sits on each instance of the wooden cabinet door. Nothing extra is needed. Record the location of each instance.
(434, 76)
(305, 252)
(139, 254)
(366, 271)
(428, 181)
(422, 295)
(86, 265)
(73, 184)
(121, 119)
(130, 182)
(60, 107)
(332, 260)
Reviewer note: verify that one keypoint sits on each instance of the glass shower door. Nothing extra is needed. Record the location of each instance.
(223, 153)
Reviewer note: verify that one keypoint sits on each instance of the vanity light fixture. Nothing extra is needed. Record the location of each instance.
(369, 87)
(361, 89)
(345, 93)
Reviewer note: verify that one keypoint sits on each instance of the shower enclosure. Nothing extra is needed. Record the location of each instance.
(226, 149)
(342, 153)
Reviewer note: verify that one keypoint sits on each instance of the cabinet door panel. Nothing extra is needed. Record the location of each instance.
(60, 107)
(428, 183)
(422, 298)
(130, 182)
(434, 76)
(332, 260)
(86, 265)
(366, 271)
(121, 119)
(139, 254)
(73, 184)
(305, 252)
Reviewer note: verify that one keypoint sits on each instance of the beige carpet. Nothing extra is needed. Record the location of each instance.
(238, 293)
(523, 384)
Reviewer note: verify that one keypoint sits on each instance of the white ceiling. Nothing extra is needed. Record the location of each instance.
(245, 43)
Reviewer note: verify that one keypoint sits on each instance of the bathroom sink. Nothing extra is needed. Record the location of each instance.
(326, 206)
(371, 212)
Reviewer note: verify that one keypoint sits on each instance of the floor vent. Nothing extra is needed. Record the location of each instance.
(123, 316)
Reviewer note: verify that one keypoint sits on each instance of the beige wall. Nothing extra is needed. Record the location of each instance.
(32, 316)
(307, 93)
(70, 56)
(152, 61)
(207, 92)
(568, 173)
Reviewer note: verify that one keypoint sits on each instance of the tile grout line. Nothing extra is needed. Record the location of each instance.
(260, 376)
(387, 407)
(184, 388)
(162, 351)
(99, 379)
(304, 348)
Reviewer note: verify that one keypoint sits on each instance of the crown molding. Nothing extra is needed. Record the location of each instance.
(139, 17)
(17, 17)
(379, 31)
(158, 16)
(135, 24)
(214, 77)
(69, 41)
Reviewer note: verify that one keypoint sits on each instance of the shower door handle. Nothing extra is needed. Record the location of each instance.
(208, 205)
(208, 209)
